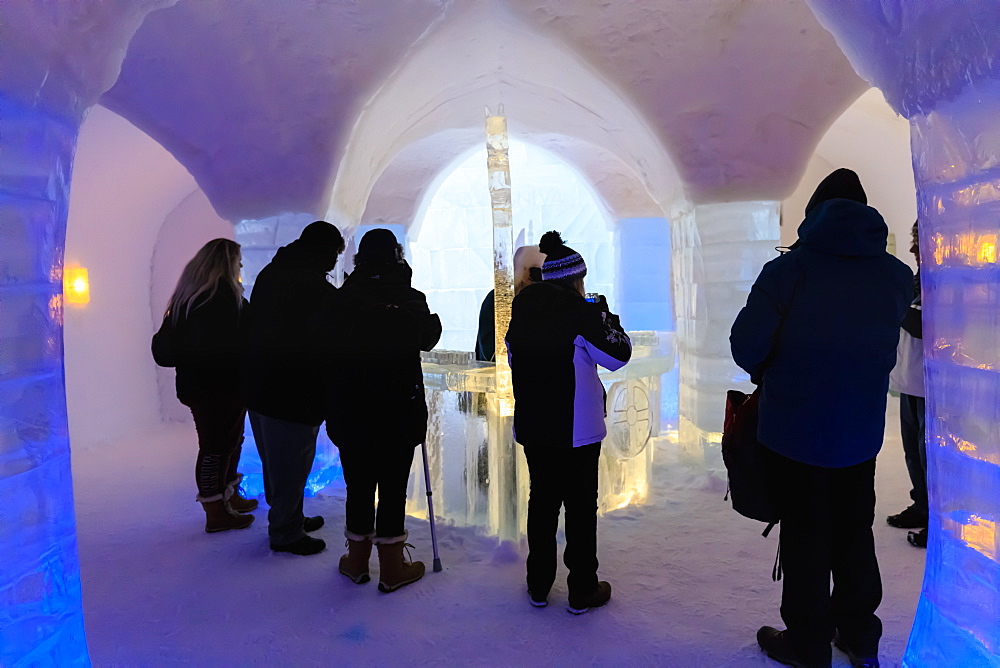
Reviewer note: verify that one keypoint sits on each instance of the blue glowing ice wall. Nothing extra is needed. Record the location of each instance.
(41, 621)
(644, 292)
(936, 62)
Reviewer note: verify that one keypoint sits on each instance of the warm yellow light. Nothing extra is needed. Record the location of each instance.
(76, 286)
(976, 532)
(987, 252)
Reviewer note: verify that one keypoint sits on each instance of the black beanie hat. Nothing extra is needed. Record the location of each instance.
(378, 246)
(841, 183)
(321, 235)
(561, 261)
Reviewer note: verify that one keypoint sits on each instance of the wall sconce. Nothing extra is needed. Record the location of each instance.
(76, 286)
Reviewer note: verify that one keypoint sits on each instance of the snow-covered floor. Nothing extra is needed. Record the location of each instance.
(691, 580)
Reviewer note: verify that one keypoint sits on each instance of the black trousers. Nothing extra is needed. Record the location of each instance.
(218, 419)
(372, 467)
(563, 477)
(826, 528)
(911, 429)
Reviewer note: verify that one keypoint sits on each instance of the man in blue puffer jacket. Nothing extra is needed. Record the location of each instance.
(819, 334)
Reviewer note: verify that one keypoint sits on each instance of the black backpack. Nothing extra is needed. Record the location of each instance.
(750, 485)
(165, 345)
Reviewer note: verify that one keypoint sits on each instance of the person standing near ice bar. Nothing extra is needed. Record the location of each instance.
(556, 339)
(907, 378)
(283, 381)
(376, 413)
(527, 267)
(818, 335)
(204, 314)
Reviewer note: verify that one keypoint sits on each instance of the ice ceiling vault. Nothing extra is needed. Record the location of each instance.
(311, 106)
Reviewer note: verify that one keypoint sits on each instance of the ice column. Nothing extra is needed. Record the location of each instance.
(498, 173)
(41, 620)
(505, 461)
(958, 187)
(718, 250)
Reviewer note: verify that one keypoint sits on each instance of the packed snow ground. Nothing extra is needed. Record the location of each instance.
(691, 580)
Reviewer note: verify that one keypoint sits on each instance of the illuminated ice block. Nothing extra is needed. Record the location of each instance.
(478, 473)
(41, 620)
(959, 208)
(718, 251)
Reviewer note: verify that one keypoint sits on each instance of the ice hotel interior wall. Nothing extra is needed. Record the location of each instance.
(936, 64)
(49, 78)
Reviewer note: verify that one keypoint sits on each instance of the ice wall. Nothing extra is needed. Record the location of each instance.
(936, 63)
(959, 208)
(718, 250)
(452, 247)
(642, 274)
(41, 621)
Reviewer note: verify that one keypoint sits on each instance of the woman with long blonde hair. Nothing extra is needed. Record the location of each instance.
(205, 312)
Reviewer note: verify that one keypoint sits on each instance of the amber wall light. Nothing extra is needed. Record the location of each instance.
(76, 286)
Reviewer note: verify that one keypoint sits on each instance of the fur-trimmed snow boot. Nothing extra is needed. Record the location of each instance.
(354, 564)
(218, 517)
(396, 571)
(238, 502)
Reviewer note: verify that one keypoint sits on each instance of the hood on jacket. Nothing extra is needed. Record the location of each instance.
(840, 183)
(388, 273)
(844, 227)
(305, 257)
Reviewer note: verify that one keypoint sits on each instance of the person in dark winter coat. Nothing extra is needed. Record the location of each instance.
(205, 312)
(376, 413)
(555, 341)
(283, 377)
(907, 378)
(527, 270)
(818, 335)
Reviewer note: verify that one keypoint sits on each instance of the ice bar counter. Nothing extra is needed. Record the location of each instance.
(479, 476)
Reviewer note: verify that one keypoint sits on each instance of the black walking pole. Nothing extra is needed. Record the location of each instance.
(430, 507)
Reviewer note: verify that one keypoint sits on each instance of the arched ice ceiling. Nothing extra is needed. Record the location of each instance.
(268, 103)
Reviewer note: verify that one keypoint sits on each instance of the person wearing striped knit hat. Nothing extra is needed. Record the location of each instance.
(556, 339)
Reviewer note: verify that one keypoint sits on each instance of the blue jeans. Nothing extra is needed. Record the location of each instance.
(287, 450)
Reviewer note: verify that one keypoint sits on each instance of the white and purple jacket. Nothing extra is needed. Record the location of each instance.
(555, 341)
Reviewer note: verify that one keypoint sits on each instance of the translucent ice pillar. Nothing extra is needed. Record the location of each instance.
(498, 174)
(718, 250)
(506, 460)
(959, 207)
(936, 64)
(41, 621)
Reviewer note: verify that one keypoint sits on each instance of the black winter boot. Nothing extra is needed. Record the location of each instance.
(581, 604)
(777, 645)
